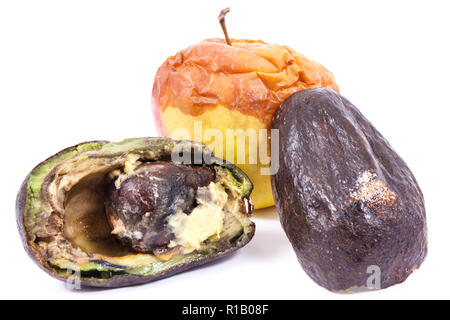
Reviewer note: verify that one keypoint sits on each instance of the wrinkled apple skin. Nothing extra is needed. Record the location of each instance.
(232, 87)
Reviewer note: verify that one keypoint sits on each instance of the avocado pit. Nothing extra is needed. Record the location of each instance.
(139, 204)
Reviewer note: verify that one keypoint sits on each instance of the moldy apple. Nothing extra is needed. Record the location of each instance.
(234, 85)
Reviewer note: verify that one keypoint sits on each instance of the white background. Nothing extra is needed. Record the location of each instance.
(72, 71)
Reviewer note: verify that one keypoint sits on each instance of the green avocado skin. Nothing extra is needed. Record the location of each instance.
(21, 200)
(346, 200)
(122, 280)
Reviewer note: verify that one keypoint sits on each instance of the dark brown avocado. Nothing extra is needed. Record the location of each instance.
(62, 219)
(348, 203)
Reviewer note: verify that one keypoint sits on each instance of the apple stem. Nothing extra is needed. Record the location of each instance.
(222, 15)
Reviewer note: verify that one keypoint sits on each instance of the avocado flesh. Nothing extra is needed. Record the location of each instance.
(65, 219)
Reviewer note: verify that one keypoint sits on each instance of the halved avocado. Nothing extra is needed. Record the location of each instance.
(77, 211)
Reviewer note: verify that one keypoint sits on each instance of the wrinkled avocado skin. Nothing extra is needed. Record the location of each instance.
(123, 279)
(325, 145)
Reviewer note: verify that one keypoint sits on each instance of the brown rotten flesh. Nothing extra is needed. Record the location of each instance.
(124, 213)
